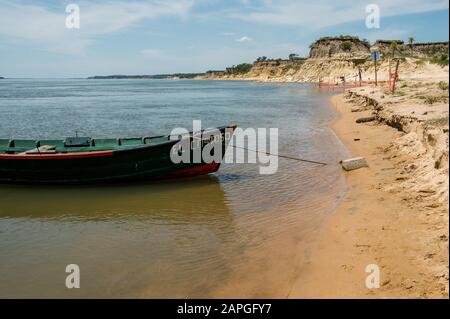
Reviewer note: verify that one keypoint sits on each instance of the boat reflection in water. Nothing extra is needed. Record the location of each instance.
(114, 234)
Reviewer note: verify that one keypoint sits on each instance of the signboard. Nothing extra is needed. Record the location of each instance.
(375, 55)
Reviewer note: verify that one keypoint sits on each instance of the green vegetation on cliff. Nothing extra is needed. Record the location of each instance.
(240, 68)
(346, 46)
(343, 37)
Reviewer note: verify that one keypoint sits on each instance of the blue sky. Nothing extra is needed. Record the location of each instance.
(156, 36)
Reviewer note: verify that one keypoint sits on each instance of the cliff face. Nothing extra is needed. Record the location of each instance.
(331, 47)
(384, 47)
(417, 50)
(275, 68)
(212, 75)
(430, 49)
(331, 58)
(330, 70)
(261, 70)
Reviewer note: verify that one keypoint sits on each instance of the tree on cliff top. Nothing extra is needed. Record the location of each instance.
(293, 56)
(411, 41)
(393, 47)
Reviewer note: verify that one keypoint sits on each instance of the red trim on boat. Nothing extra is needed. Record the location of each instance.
(199, 170)
(56, 155)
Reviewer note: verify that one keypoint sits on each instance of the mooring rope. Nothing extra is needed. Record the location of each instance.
(283, 156)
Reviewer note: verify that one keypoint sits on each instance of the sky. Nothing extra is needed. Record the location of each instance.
(171, 36)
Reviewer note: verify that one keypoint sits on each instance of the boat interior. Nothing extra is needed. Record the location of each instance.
(82, 144)
(75, 144)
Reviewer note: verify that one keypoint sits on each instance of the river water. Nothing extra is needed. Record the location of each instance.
(235, 233)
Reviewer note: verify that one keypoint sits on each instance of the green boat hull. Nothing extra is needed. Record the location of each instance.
(143, 162)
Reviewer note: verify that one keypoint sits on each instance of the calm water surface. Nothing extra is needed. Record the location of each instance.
(233, 233)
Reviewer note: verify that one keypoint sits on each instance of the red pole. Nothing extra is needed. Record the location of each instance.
(390, 74)
(395, 76)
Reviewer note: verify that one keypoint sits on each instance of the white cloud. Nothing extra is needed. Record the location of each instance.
(107, 17)
(42, 27)
(315, 14)
(244, 39)
(46, 28)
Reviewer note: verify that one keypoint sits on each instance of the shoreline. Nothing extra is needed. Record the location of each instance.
(377, 223)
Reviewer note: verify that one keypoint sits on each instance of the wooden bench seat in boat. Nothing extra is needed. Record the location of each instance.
(77, 141)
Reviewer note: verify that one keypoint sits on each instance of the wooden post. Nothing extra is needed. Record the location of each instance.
(375, 53)
(395, 76)
(360, 76)
(376, 76)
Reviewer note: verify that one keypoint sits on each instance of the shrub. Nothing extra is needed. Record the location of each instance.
(443, 86)
(243, 67)
(346, 46)
(240, 68)
(441, 60)
(420, 61)
(431, 99)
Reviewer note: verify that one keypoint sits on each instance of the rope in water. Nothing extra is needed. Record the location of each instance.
(283, 156)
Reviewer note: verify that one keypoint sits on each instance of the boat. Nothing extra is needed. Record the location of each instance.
(85, 160)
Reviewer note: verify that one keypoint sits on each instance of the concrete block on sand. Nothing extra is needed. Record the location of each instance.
(354, 163)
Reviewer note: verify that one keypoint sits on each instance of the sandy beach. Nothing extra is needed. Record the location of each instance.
(395, 214)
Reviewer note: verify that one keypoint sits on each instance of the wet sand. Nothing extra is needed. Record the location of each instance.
(378, 222)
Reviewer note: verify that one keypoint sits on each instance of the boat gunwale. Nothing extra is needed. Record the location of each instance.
(44, 156)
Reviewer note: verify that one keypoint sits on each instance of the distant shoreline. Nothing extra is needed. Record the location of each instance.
(330, 59)
(147, 77)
